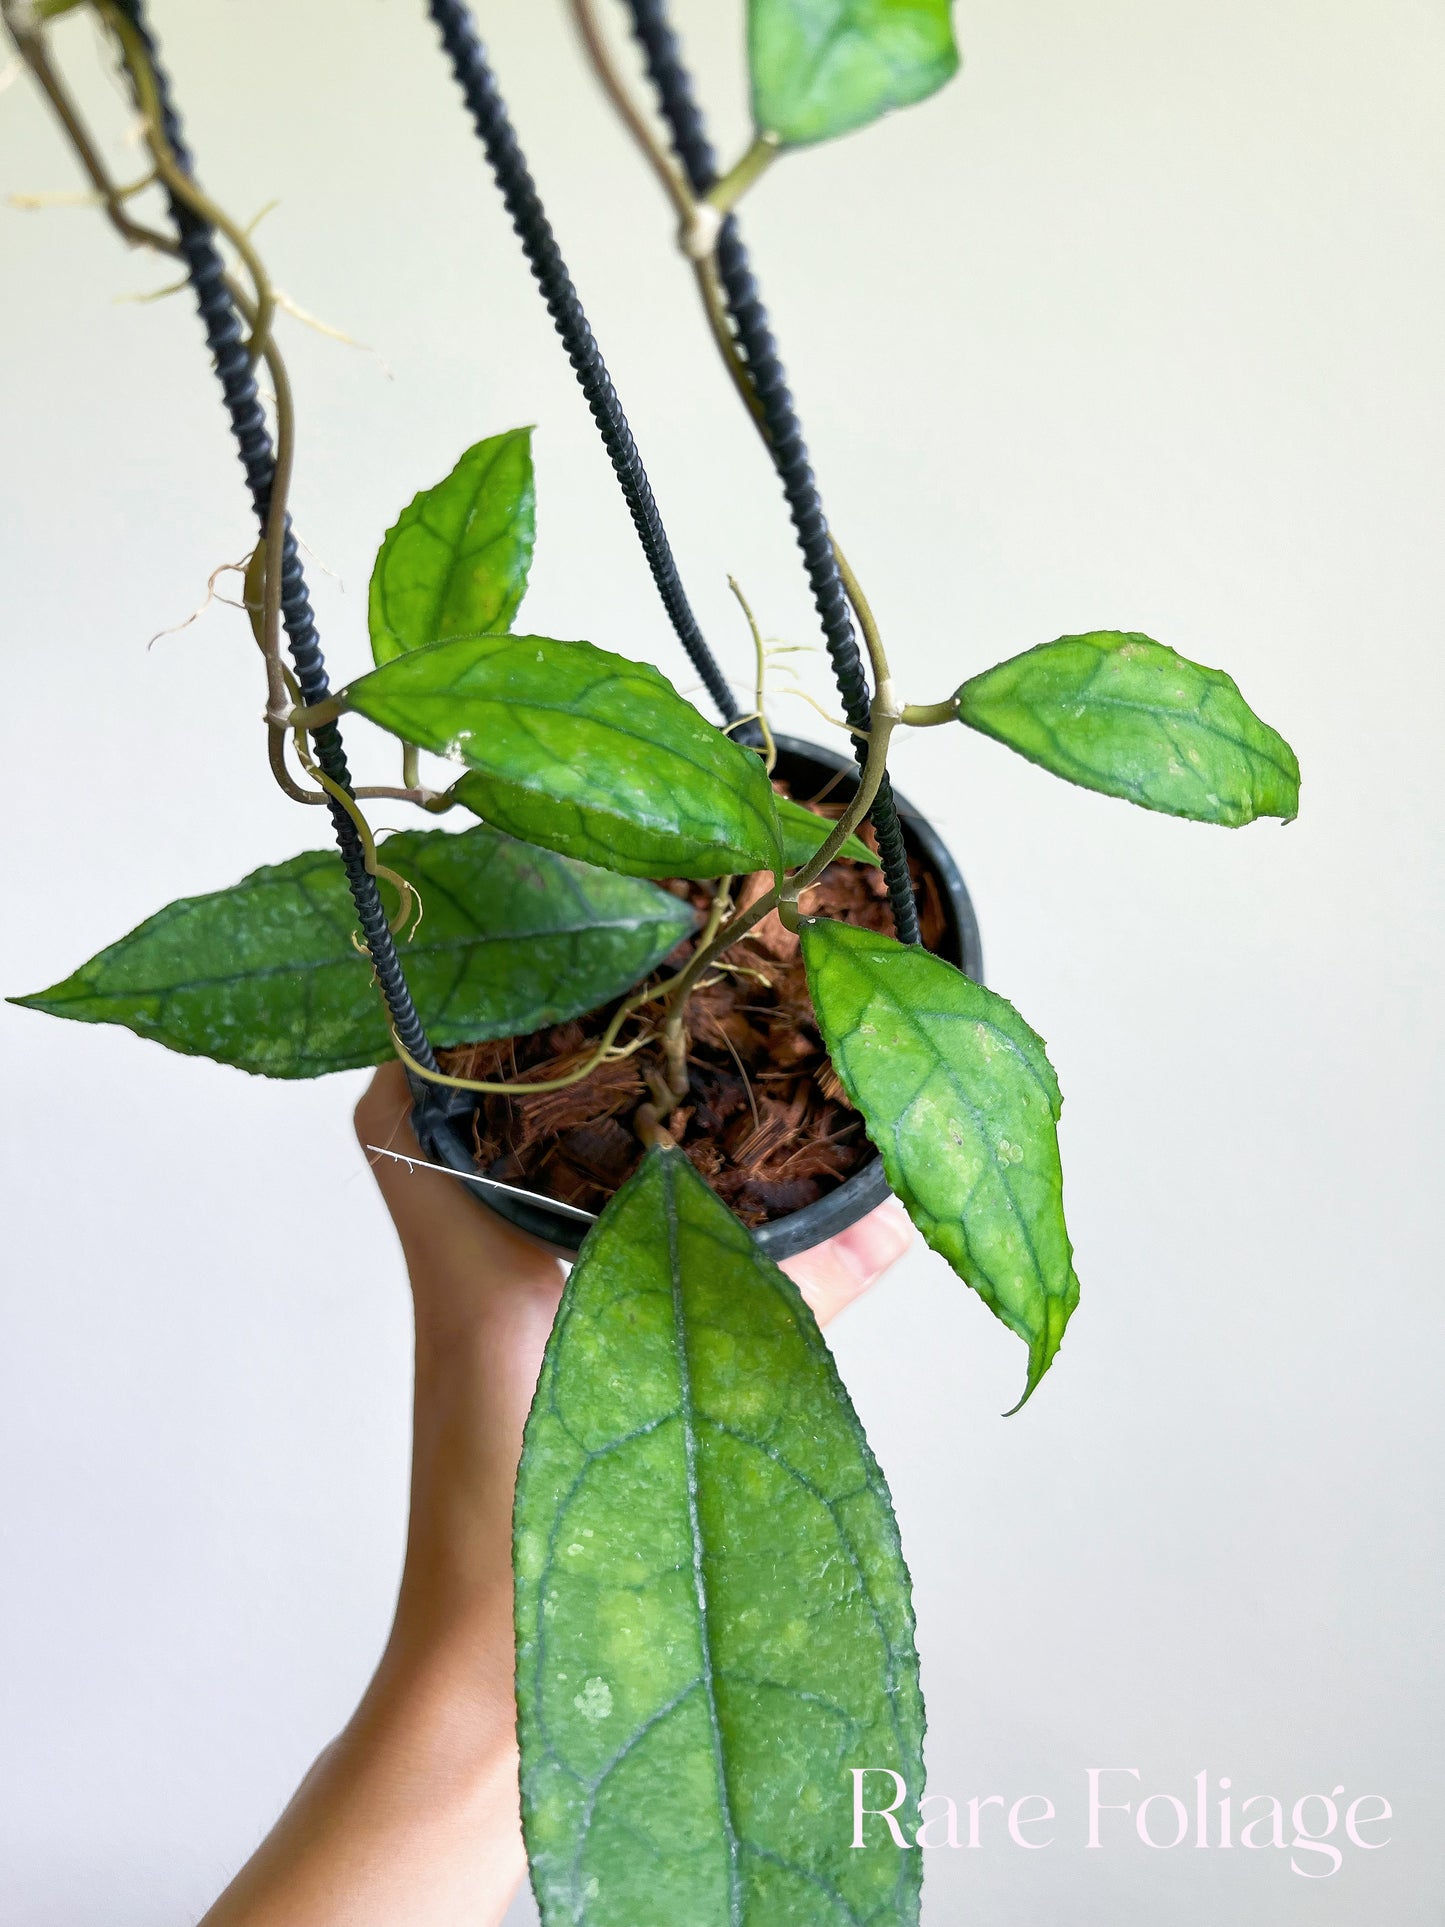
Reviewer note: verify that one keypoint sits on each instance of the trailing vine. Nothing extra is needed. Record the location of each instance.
(622, 848)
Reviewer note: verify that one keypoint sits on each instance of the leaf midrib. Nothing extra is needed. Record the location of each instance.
(1002, 1170)
(454, 547)
(687, 1415)
(518, 707)
(1162, 713)
(1159, 712)
(564, 1886)
(446, 947)
(519, 712)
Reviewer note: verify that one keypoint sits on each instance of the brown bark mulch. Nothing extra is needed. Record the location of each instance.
(765, 1122)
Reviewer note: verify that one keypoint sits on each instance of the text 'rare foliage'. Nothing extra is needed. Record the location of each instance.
(713, 1614)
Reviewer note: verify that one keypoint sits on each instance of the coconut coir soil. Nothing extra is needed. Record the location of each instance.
(765, 1122)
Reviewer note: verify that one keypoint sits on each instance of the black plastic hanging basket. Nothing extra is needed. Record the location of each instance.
(447, 1137)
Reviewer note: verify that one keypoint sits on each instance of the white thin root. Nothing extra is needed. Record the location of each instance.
(147, 295)
(212, 595)
(838, 722)
(256, 219)
(61, 197)
(309, 320)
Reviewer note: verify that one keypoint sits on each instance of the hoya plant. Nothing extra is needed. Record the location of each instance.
(660, 980)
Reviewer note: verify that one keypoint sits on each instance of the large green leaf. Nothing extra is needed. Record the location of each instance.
(456, 561)
(583, 752)
(821, 67)
(1118, 713)
(962, 1102)
(265, 975)
(713, 1614)
(804, 830)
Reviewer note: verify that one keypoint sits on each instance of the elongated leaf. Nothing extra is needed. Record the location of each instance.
(583, 752)
(265, 975)
(713, 1614)
(958, 1095)
(804, 831)
(1118, 713)
(821, 67)
(456, 561)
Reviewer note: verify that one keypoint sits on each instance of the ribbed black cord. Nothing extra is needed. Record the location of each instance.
(474, 76)
(224, 335)
(694, 150)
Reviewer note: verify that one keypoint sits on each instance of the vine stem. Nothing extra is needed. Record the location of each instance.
(685, 203)
(236, 329)
(701, 219)
(699, 196)
(927, 715)
(594, 39)
(783, 895)
(725, 193)
(760, 658)
(180, 184)
(31, 47)
(606, 1048)
(710, 949)
(598, 1057)
(259, 314)
(697, 232)
(262, 595)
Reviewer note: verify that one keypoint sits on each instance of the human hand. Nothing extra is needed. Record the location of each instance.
(412, 1815)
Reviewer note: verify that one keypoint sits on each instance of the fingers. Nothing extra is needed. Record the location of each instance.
(455, 1247)
(452, 1243)
(832, 1275)
(419, 1201)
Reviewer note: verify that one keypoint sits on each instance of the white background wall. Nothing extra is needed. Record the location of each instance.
(1137, 325)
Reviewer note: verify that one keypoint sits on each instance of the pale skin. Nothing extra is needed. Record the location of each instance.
(410, 1817)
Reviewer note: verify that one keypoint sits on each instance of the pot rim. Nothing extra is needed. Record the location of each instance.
(444, 1131)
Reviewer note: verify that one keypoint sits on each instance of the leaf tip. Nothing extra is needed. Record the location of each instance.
(36, 1000)
(1045, 1345)
(1038, 1365)
(1041, 1357)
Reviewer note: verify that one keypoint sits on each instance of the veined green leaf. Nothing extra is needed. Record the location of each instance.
(713, 1613)
(958, 1095)
(583, 752)
(265, 975)
(822, 67)
(1118, 713)
(456, 561)
(804, 831)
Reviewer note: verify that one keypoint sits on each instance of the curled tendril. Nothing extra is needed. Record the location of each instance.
(608, 1051)
(410, 908)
